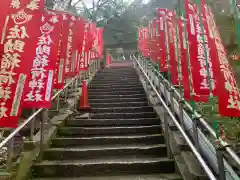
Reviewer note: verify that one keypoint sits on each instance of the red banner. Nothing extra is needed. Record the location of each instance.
(87, 47)
(140, 37)
(162, 39)
(145, 42)
(19, 37)
(200, 86)
(38, 92)
(153, 43)
(70, 59)
(83, 66)
(172, 51)
(150, 39)
(79, 36)
(100, 42)
(84, 56)
(59, 74)
(206, 70)
(209, 44)
(228, 94)
(184, 60)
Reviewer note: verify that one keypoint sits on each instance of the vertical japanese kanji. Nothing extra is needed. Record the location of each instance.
(162, 39)
(184, 59)
(19, 37)
(200, 87)
(59, 75)
(84, 55)
(79, 36)
(145, 42)
(70, 60)
(228, 94)
(172, 51)
(153, 42)
(38, 93)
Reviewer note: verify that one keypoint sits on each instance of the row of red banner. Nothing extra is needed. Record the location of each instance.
(191, 49)
(39, 49)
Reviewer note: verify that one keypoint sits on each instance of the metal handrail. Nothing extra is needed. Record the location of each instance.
(185, 136)
(203, 122)
(19, 128)
(33, 116)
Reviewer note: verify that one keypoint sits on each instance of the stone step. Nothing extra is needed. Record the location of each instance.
(100, 86)
(121, 72)
(114, 73)
(128, 164)
(114, 82)
(119, 104)
(139, 88)
(122, 109)
(123, 115)
(108, 140)
(102, 151)
(99, 92)
(112, 122)
(108, 130)
(114, 98)
(116, 77)
(155, 176)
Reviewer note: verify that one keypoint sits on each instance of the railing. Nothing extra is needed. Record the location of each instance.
(73, 84)
(175, 121)
(203, 145)
(203, 122)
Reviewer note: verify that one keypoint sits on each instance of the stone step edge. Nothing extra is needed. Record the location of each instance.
(128, 147)
(105, 161)
(152, 176)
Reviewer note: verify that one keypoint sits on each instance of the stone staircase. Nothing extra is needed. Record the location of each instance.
(122, 140)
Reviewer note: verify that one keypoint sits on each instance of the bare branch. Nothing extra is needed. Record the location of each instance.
(75, 4)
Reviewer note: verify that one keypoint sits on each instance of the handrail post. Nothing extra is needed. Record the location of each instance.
(10, 153)
(167, 138)
(66, 94)
(72, 88)
(98, 64)
(181, 110)
(166, 93)
(89, 71)
(44, 118)
(58, 102)
(195, 132)
(32, 126)
(94, 67)
(76, 92)
(220, 161)
(144, 64)
(171, 90)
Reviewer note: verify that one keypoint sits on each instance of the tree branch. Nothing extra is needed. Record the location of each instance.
(77, 3)
(86, 9)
